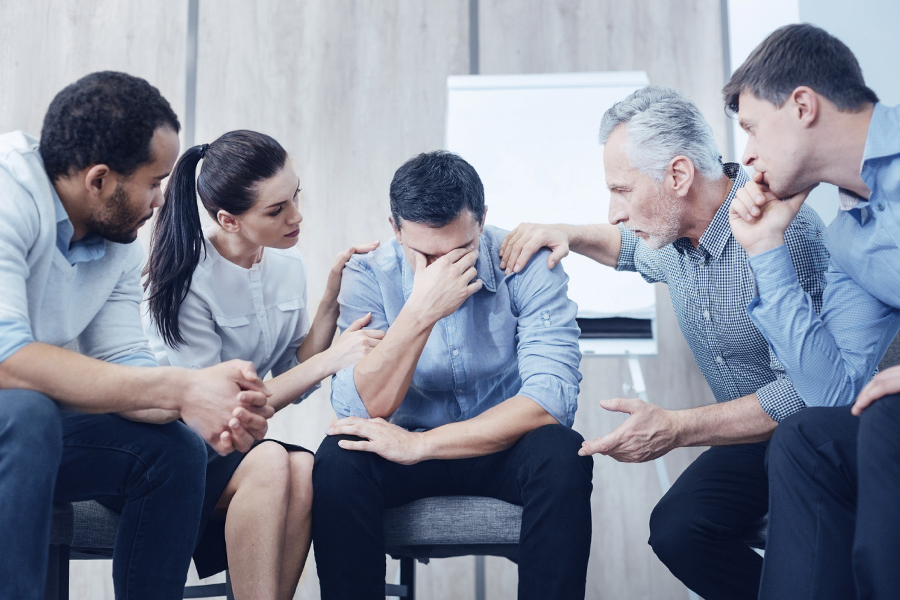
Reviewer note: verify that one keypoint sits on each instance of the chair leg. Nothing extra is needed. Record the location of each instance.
(408, 577)
(229, 593)
(63, 571)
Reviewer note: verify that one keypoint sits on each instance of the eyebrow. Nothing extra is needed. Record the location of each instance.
(469, 243)
(161, 177)
(284, 201)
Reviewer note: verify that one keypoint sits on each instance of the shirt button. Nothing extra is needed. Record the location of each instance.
(879, 206)
(456, 353)
(268, 356)
(261, 314)
(720, 360)
(706, 315)
(459, 391)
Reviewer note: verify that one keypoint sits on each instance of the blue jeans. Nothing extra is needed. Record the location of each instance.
(49, 455)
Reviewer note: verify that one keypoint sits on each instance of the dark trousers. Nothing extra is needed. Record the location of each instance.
(50, 455)
(697, 529)
(542, 472)
(834, 522)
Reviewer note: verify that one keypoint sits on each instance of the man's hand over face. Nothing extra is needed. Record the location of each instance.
(384, 439)
(226, 405)
(647, 434)
(885, 383)
(441, 287)
(758, 218)
(521, 243)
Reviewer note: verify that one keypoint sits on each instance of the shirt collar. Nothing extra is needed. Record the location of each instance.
(484, 264)
(880, 142)
(90, 247)
(717, 233)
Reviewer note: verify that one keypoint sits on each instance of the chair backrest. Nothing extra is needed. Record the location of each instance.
(891, 357)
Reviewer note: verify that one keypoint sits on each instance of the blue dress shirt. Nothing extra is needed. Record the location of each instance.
(515, 336)
(831, 358)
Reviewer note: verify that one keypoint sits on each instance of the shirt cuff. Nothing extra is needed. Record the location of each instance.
(779, 399)
(14, 335)
(344, 398)
(136, 359)
(558, 398)
(773, 270)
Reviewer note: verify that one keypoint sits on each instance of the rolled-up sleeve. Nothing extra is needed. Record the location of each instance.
(547, 339)
(359, 295)
(634, 256)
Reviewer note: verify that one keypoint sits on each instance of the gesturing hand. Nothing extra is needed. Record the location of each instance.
(758, 218)
(353, 344)
(521, 243)
(647, 434)
(384, 439)
(440, 288)
(226, 405)
(885, 383)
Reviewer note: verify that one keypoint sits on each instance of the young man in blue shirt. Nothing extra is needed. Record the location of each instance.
(70, 208)
(834, 471)
(473, 390)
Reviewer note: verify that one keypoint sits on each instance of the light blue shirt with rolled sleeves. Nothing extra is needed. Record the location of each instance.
(830, 359)
(515, 336)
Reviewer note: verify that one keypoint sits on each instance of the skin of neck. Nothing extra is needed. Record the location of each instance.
(701, 202)
(837, 143)
(236, 248)
(75, 194)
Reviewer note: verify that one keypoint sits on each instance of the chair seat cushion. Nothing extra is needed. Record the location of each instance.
(443, 526)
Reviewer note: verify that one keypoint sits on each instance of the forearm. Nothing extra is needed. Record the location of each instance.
(157, 416)
(494, 430)
(384, 375)
(740, 421)
(321, 332)
(87, 384)
(601, 242)
(292, 384)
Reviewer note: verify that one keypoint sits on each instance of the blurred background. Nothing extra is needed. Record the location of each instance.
(353, 88)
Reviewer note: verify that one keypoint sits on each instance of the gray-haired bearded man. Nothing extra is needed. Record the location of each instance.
(669, 203)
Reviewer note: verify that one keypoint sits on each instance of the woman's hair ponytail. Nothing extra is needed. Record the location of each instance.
(175, 246)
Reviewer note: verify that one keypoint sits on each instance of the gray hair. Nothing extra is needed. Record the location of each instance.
(662, 124)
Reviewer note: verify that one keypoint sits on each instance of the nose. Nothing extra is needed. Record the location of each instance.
(617, 212)
(158, 199)
(296, 217)
(749, 154)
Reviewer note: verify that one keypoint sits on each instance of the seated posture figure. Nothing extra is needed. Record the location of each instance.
(834, 471)
(668, 213)
(473, 390)
(239, 291)
(70, 208)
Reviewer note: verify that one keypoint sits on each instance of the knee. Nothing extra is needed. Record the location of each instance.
(337, 471)
(673, 525)
(30, 429)
(554, 450)
(878, 425)
(797, 436)
(175, 452)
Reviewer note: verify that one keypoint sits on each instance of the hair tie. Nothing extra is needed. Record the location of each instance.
(203, 150)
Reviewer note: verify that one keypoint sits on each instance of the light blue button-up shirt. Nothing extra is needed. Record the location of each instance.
(830, 359)
(515, 336)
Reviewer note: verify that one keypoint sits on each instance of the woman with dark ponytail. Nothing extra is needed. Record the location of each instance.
(238, 290)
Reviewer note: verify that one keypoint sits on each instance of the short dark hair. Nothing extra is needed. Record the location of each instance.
(433, 188)
(103, 118)
(796, 55)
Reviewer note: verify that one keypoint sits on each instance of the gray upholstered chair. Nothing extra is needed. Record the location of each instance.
(445, 526)
(87, 530)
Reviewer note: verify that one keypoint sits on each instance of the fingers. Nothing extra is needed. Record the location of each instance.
(507, 241)
(360, 322)
(222, 444)
(421, 261)
(355, 445)
(248, 379)
(254, 423)
(364, 248)
(885, 383)
(555, 256)
(625, 405)
(253, 400)
(590, 448)
(240, 437)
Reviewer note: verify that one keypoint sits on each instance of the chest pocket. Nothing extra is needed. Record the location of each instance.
(231, 322)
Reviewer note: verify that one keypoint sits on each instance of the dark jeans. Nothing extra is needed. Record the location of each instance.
(834, 523)
(697, 529)
(541, 472)
(50, 455)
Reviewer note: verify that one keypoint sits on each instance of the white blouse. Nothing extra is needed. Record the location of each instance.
(257, 314)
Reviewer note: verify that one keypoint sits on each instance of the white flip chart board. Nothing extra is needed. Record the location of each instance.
(533, 140)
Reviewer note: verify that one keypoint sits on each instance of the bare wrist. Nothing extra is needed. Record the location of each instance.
(765, 244)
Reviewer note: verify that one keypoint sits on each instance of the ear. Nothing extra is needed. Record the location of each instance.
(395, 227)
(97, 180)
(680, 175)
(804, 104)
(228, 222)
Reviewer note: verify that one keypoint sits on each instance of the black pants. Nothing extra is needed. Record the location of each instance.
(697, 529)
(541, 472)
(834, 529)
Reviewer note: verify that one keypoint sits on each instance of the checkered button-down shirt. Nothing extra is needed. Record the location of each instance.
(711, 286)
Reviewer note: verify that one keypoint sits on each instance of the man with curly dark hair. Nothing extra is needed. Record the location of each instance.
(81, 414)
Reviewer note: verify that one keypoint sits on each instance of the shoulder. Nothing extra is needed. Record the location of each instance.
(24, 185)
(384, 261)
(806, 228)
